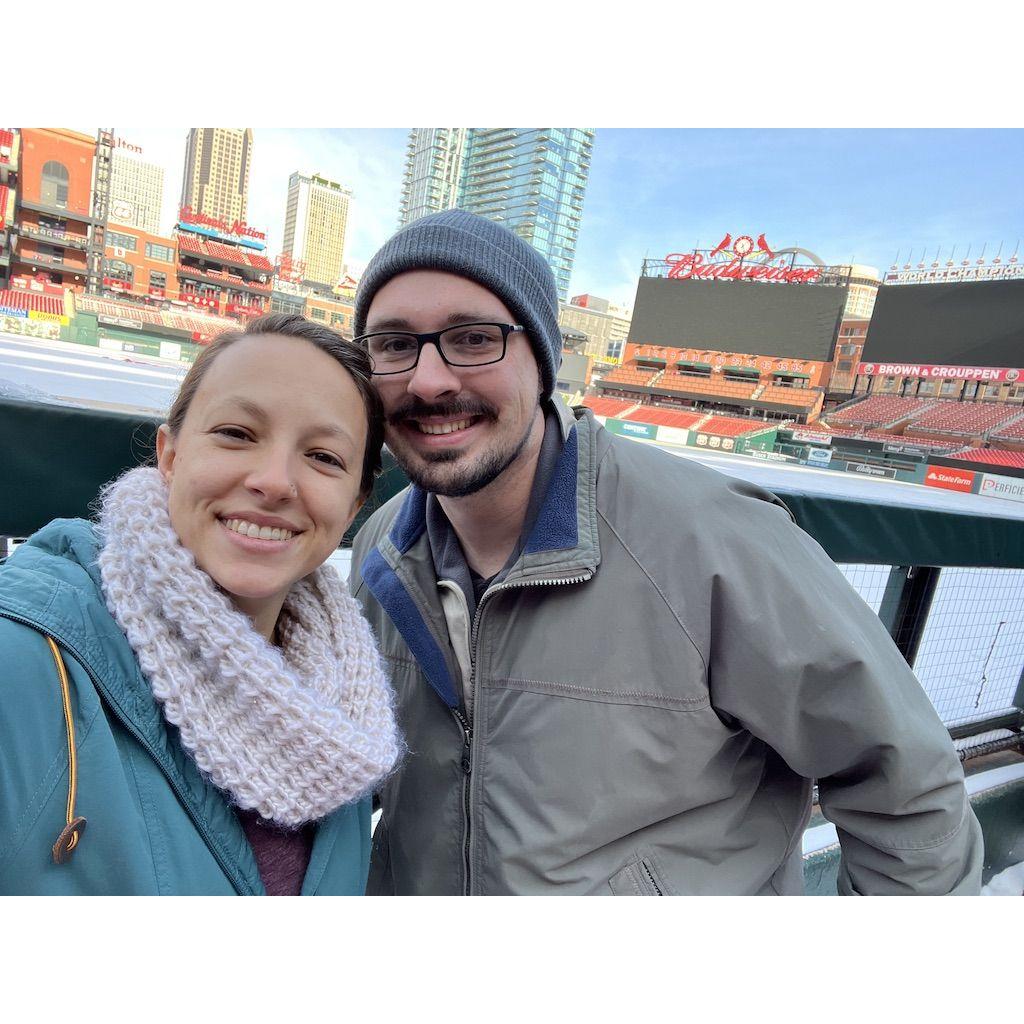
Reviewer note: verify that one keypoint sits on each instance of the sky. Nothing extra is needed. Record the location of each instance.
(849, 195)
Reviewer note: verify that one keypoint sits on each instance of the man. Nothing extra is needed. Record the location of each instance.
(617, 671)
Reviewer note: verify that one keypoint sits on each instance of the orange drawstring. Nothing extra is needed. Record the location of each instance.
(68, 839)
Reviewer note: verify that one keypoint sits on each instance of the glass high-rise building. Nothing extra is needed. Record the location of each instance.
(532, 180)
(433, 169)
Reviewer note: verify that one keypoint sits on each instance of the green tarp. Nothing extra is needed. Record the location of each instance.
(54, 459)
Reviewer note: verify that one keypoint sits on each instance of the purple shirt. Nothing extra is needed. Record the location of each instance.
(282, 855)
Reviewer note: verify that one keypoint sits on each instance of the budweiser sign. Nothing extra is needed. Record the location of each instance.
(691, 265)
(926, 371)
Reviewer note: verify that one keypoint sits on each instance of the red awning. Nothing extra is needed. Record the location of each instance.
(32, 301)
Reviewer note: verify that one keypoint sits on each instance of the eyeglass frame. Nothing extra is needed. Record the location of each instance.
(434, 338)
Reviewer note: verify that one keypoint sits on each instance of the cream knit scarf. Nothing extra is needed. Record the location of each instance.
(291, 732)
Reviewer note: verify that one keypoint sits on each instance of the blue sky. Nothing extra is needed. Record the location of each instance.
(848, 195)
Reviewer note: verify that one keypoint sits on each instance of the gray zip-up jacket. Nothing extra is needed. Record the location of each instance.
(651, 690)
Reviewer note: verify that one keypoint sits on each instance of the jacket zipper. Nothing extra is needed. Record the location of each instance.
(657, 888)
(241, 888)
(467, 767)
(467, 727)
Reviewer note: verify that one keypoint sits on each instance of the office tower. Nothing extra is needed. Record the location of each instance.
(217, 163)
(316, 217)
(136, 190)
(533, 181)
(433, 167)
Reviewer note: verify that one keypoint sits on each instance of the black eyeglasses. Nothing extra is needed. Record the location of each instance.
(465, 345)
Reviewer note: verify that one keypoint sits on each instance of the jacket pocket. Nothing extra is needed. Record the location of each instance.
(638, 879)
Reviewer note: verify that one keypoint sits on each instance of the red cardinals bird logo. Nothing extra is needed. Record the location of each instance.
(722, 245)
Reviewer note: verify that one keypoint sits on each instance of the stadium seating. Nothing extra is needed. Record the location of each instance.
(800, 398)
(230, 253)
(712, 386)
(206, 327)
(680, 418)
(629, 374)
(259, 262)
(734, 426)
(1013, 431)
(965, 418)
(607, 406)
(880, 411)
(991, 457)
(191, 243)
(223, 275)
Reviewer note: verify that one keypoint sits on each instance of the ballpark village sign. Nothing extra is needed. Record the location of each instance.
(742, 260)
(992, 374)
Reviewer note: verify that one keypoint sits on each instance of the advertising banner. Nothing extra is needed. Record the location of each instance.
(950, 479)
(810, 435)
(866, 470)
(626, 428)
(1002, 487)
(120, 321)
(992, 374)
(50, 318)
(14, 311)
(819, 456)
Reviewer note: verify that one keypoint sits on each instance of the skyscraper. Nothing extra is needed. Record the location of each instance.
(532, 180)
(314, 226)
(136, 190)
(217, 172)
(433, 167)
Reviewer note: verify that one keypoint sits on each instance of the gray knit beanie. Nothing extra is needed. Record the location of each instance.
(463, 243)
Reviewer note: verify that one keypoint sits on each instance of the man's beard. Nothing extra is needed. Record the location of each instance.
(433, 472)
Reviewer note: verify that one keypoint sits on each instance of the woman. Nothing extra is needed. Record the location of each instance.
(189, 702)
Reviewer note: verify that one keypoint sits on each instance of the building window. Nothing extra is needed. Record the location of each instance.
(119, 271)
(949, 387)
(163, 253)
(317, 314)
(55, 184)
(157, 279)
(117, 240)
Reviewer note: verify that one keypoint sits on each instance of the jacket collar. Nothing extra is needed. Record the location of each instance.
(566, 523)
(53, 585)
(563, 544)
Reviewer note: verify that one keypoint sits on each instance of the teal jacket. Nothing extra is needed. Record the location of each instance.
(154, 824)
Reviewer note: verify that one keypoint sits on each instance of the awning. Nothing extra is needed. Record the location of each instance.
(31, 301)
(650, 359)
(746, 371)
(790, 373)
(694, 366)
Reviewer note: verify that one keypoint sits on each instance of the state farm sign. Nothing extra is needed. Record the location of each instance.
(950, 479)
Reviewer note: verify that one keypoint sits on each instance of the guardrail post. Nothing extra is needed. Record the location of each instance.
(906, 603)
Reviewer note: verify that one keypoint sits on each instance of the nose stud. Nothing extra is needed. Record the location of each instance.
(295, 491)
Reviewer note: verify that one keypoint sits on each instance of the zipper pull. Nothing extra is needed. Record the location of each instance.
(467, 741)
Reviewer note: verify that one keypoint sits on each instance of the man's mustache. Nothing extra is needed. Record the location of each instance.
(415, 408)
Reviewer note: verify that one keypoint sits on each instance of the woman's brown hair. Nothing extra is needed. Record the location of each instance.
(353, 359)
